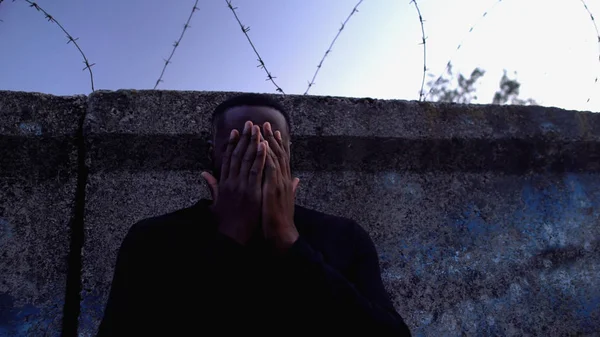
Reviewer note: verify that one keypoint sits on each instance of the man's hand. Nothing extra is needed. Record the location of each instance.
(237, 197)
(278, 194)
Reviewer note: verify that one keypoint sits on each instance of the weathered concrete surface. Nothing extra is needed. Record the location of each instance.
(485, 217)
(38, 176)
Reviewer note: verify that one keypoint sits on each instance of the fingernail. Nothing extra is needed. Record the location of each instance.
(254, 130)
(278, 135)
(232, 134)
(247, 127)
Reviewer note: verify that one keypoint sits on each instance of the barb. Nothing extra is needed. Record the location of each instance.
(460, 45)
(261, 63)
(597, 34)
(312, 82)
(50, 18)
(176, 44)
(422, 93)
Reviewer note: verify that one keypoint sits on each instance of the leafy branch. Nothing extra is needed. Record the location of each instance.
(449, 64)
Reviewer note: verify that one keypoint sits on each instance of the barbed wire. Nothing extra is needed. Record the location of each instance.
(176, 44)
(50, 18)
(261, 63)
(424, 43)
(245, 30)
(460, 45)
(597, 35)
(312, 82)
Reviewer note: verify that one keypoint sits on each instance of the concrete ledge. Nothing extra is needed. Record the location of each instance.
(169, 130)
(149, 112)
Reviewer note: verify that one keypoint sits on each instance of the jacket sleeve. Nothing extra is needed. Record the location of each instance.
(360, 304)
(129, 305)
(124, 307)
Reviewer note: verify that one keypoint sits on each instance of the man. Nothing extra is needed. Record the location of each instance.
(249, 261)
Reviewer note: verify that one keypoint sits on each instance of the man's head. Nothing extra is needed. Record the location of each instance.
(234, 112)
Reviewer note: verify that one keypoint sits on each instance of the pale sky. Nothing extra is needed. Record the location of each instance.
(551, 44)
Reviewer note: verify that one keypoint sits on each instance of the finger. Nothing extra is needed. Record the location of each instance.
(270, 171)
(251, 151)
(295, 184)
(270, 137)
(276, 147)
(278, 138)
(268, 182)
(270, 163)
(233, 140)
(239, 151)
(256, 172)
(213, 185)
(271, 154)
(278, 177)
(284, 160)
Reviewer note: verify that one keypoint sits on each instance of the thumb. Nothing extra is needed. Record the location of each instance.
(295, 184)
(213, 185)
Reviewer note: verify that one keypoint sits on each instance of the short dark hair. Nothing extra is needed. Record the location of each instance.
(248, 100)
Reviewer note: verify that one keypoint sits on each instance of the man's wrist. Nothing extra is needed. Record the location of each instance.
(230, 232)
(286, 240)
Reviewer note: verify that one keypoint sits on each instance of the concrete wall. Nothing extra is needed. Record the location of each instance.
(38, 180)
(486, 218)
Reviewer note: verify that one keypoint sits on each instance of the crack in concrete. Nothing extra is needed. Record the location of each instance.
(72, 306)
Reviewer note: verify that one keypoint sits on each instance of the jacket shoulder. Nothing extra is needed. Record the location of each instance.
(315, 222)
(194, 216)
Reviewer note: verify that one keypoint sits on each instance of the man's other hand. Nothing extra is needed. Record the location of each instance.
(237, 197)
(279, 194)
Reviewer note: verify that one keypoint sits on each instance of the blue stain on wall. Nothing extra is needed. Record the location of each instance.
(554, 214)
(538, 218)
(27, 320)
(31, 128)
(564, 213)
(586, 308)
(471, 228)
(548, 127)
(548, 240)
(475, 224)
(91, 312)
(5, 230)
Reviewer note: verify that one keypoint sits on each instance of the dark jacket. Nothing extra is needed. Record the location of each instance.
(177, 275)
